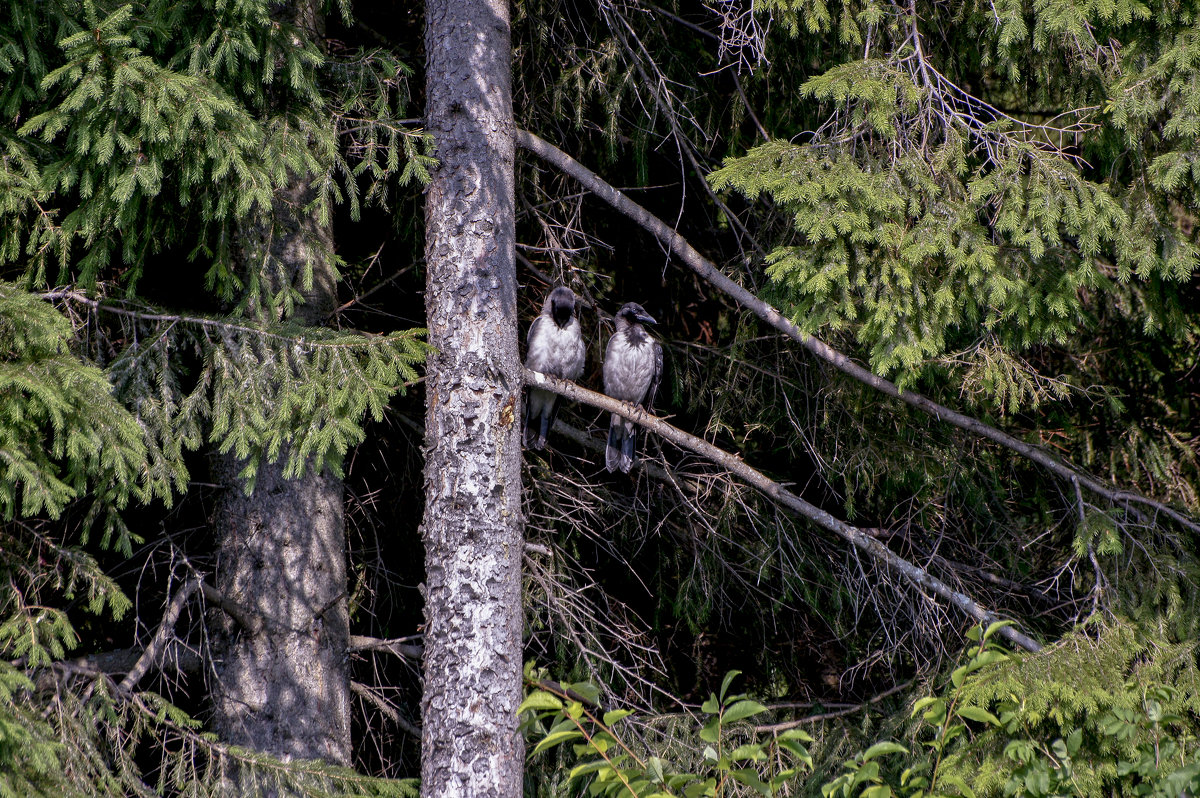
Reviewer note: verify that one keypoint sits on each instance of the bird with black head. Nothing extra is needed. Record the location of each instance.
(554, 347)
(633, 365)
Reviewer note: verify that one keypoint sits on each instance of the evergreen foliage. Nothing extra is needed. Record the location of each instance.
(261, 392)
(135, 137)
(87, 747)
(29, 754)
(154, 128)
(1098, 684)
(1002, 725)
(926, 218)
(62, 433)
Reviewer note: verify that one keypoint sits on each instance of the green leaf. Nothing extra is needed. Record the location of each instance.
(654, 769)
(729, 677)
(936, 714)
(703, 789)
(753, 751)
(587, 768)
(555, 738)
(743, 709)
(540, 699)
(996, 626)
(921, 704)
(978, 714)
(959, 784)
(797, 750)
(750, 778)
(882, 749)
(615, 715)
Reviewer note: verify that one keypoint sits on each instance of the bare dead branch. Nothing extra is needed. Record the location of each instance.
(399, 646)
(860, 539)
(707, 270)
(385, 707)
(250, 621)
(166, 628)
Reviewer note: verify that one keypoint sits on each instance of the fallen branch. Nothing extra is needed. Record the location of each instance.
(857, 537)
(708, 270)
(251, 622)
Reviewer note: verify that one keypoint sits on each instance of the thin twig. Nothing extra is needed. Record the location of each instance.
(399, 646)
(166, 628)
(108, 306)
(385, 707)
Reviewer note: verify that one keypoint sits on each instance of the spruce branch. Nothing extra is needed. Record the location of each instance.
(856, 536)
(224, 326)
(709, 271)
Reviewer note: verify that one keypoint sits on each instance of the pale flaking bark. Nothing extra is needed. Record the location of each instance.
(472, 526)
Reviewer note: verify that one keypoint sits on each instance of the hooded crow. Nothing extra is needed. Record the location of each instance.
(554, 347)
(632, 371)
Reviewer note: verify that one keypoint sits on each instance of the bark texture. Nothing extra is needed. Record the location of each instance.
(282, 687)
(282, 682)
(472, 526)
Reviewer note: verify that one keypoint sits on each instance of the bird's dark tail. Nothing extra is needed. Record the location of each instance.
(548, 417)
(530, 422)
(619, 452)
(540, 411)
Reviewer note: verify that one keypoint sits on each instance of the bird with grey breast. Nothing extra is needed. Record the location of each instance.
(554, 347)
(633, 366)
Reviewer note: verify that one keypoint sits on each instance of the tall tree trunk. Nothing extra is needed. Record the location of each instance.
(283, 687)
(473, 525)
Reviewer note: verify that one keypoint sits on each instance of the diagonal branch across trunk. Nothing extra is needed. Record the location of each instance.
(709, 271)
(781, 495)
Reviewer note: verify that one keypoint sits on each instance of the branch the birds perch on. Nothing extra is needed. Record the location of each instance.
(859, 538)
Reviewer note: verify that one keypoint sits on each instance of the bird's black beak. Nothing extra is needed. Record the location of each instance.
(645, 318)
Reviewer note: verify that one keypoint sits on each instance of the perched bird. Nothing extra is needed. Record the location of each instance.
(554, 347)
(632, 371)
